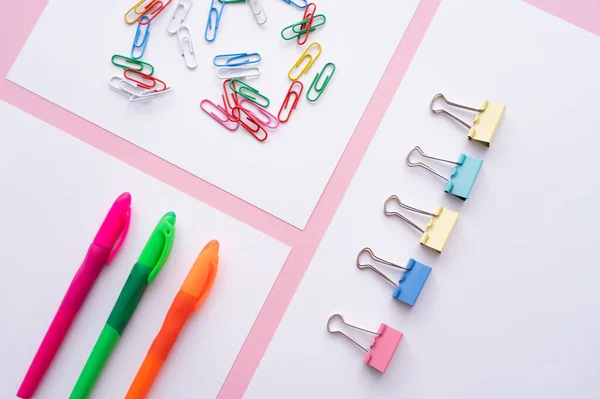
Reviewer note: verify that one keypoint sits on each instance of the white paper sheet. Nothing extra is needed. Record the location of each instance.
(510, 308)
(285, 176)
(56, 191)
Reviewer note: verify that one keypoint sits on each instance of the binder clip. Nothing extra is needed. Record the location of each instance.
(410, 283)
(382, 348)
(485, 123)
(462, 178)
(438, 229)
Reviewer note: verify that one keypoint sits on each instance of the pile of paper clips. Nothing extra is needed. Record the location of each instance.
(244, 105)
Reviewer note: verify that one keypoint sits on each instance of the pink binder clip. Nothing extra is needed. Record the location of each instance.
(382, 348)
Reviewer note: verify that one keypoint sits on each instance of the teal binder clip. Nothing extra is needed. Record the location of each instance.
(462, 178)
(411, 282)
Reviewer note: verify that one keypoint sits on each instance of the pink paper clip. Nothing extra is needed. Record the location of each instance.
(382, 348)
(260, 114)
(224, 120)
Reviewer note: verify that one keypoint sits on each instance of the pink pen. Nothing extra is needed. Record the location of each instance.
(101, 252)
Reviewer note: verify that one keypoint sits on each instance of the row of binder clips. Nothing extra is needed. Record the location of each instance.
(414, 275)
(245, 106)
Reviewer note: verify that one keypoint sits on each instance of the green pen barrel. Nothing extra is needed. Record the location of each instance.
(95, 363)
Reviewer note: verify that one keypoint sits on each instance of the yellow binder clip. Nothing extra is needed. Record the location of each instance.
(306, 55)
(485, 123)
(438, 229)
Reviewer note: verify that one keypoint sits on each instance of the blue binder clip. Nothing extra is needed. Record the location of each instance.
(410, 283)
(462, 178)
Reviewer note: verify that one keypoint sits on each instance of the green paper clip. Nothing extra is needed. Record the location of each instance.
(315, 83)
(253, 95)
(136, 65)
(318, 21)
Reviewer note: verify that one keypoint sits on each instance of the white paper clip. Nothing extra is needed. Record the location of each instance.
(438, 229)
(179, 15)
(186, 47)
(485, 123)
(258, 10)
(134, 92)
(382, 347)
(239, 72)
(463, 177)
(128, 88)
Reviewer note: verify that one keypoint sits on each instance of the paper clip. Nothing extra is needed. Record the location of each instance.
(299, 28)
(238, 59)
(142, 45)
(299, 4)
(411, 282)
(225, 122)
(286, 101)
(212, 26)
(249, 92)
(438, 229)
(382, 347)
(181, 11)
(186, 47)
(155, 8)
(134, 64)
(305, 56)
(485, 123)
(309, 15)
(260, 15)
(134, 92)
(315, 83)
(148, 82)
(258, 113)
(227, 104)
(144, 4)
(239, 72)
(127, 87)
(462, 178)
(252, 130)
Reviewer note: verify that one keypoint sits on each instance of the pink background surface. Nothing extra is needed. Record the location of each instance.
(14, 32)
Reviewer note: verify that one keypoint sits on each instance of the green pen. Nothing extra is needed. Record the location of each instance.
(146, 269)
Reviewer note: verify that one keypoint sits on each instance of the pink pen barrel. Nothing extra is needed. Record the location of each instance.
(78, 290)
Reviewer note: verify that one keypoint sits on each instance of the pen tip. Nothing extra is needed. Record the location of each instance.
(171, 217)
(125, 198)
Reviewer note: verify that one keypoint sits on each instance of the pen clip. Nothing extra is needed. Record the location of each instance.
(168, 231)
(211, 273)
(127, 216)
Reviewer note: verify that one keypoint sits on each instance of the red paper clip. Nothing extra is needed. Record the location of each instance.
(309, 14)
(230, 105)
(251, 130)
(286, 101)
(149, 82)
(224, 121)
(153, 10)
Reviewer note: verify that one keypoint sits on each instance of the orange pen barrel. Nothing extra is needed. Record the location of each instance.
(180, 310)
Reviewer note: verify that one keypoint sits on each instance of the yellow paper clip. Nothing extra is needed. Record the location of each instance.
(438, 229)
(305, 56)
(485, 123)
(145, 5)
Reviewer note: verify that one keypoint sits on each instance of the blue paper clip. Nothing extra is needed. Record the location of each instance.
(142, 45)
(410, 283)
(234, 60)
(462, 178)
(211, 27)
(301, 3)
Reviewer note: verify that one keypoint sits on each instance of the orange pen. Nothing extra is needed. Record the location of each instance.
(194, 290)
